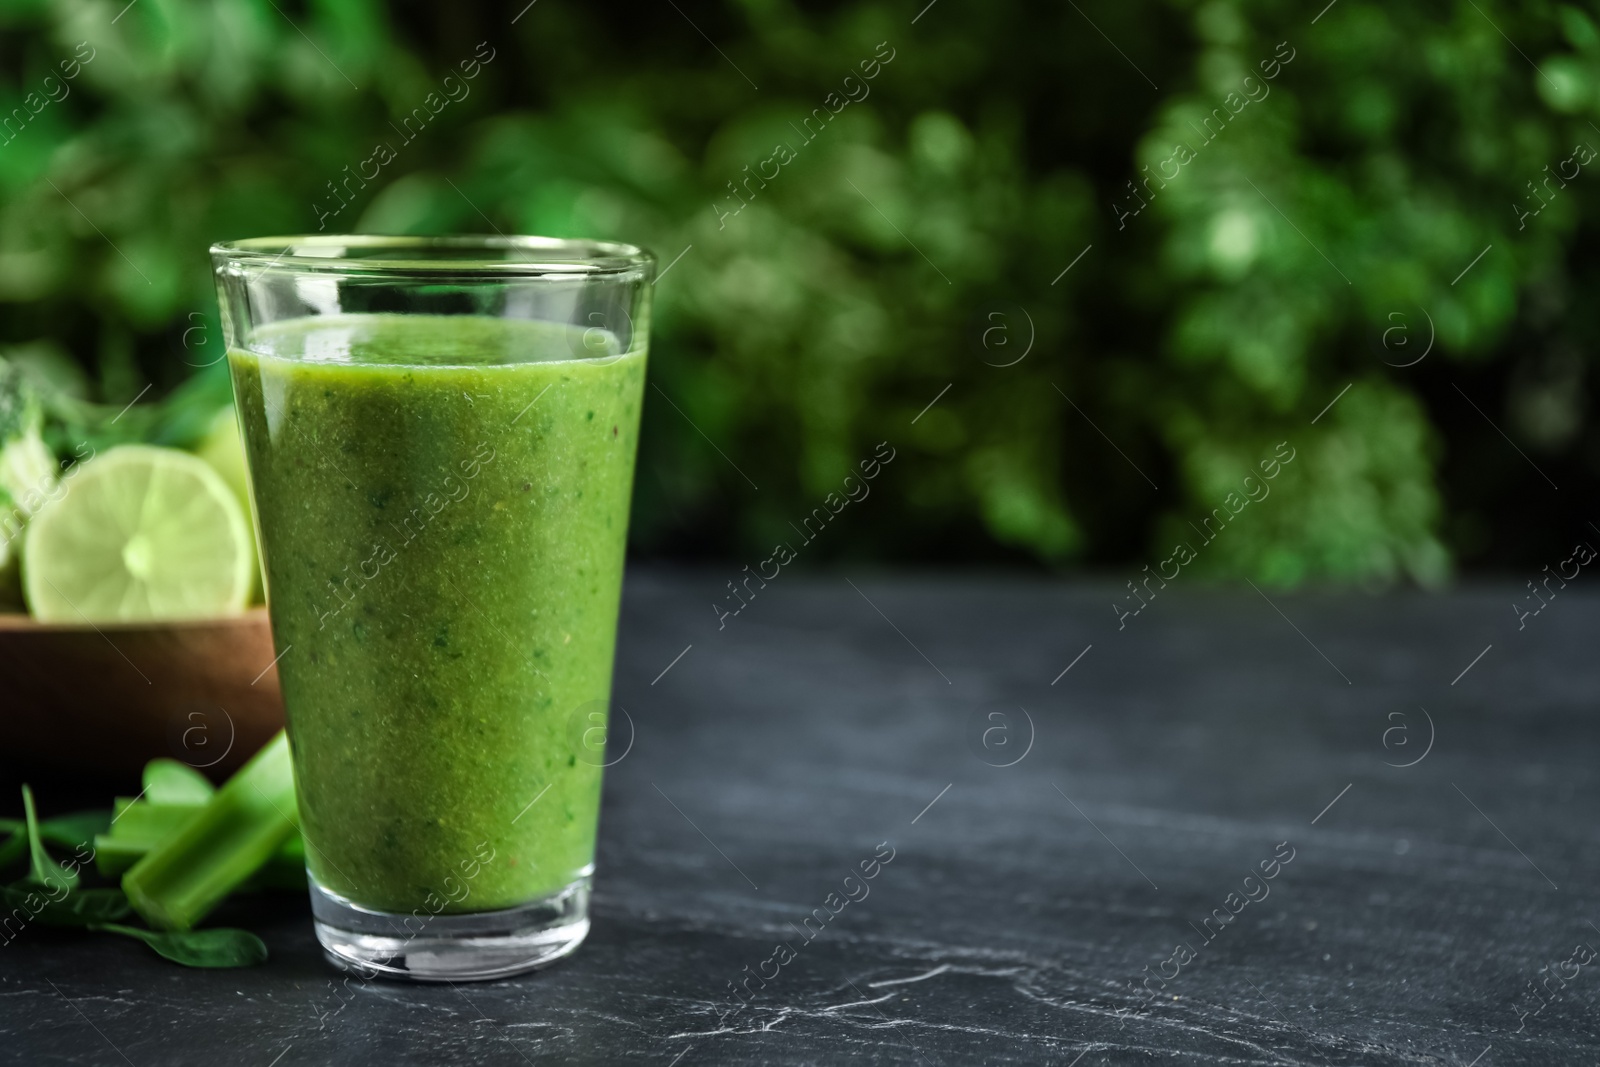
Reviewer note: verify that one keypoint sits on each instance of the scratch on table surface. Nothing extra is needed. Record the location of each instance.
(859, 1003)
(923, 977)
(778, 1016)
(1033, 980)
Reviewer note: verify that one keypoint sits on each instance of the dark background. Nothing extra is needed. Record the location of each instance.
(1320, 239)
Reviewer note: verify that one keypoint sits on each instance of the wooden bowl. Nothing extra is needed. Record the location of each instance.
(111, 696)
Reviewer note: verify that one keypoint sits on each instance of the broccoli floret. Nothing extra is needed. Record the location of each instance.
(27, 466)
(11, 521)
(20, 409)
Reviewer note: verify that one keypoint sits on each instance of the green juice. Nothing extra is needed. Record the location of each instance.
(443, 503)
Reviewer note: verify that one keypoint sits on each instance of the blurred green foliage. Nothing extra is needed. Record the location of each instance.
(918, 241)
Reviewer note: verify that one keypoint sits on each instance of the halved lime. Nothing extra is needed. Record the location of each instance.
(139, 533)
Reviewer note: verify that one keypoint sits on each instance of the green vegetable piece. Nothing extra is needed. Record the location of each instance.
(138, 828)
(286, 869)
(75, 830)
(166, 781)
(20, 410)
(152, 823)
(180, 420)
(68, 831)
(99, 905)
(113, 856)
(219, 947)
(42, 869)
(182, 879)
(122, 805)
(78, 907)
(25, 900)
(27, 466)
(16, 845)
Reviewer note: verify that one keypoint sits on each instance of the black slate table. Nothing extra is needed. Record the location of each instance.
(1081, 813)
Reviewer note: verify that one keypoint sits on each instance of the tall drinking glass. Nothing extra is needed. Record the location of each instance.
(441, 437)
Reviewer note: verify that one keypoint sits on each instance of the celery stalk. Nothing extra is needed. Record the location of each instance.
(138, 827)
(284, 869)
(141, 825)
(151, 823)
(115, 852)
(183, 878)
(113, 856)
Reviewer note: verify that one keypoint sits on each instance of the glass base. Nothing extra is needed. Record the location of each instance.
(451, 948)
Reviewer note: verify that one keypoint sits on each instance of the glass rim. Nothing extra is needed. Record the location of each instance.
(435, 255)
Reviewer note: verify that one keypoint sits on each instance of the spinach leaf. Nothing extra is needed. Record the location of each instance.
(91, 906)
(75, 830)
(42, 869)
(78, 907)
(14, 847)
(25, 900)
(218, 947)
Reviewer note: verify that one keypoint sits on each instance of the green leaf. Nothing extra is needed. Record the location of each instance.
(166, 781)
(28, 898)
(42, 869)
(75, 830)
(219, 947)
(68, 831)
(99, 905)
(80, 907)
(16, 845)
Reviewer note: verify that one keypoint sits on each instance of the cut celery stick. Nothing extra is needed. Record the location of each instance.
(138, 827)
(112, 857)
(284, 869)
(182, 879)
(118, 806)
(115, 852)
(152, 823)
